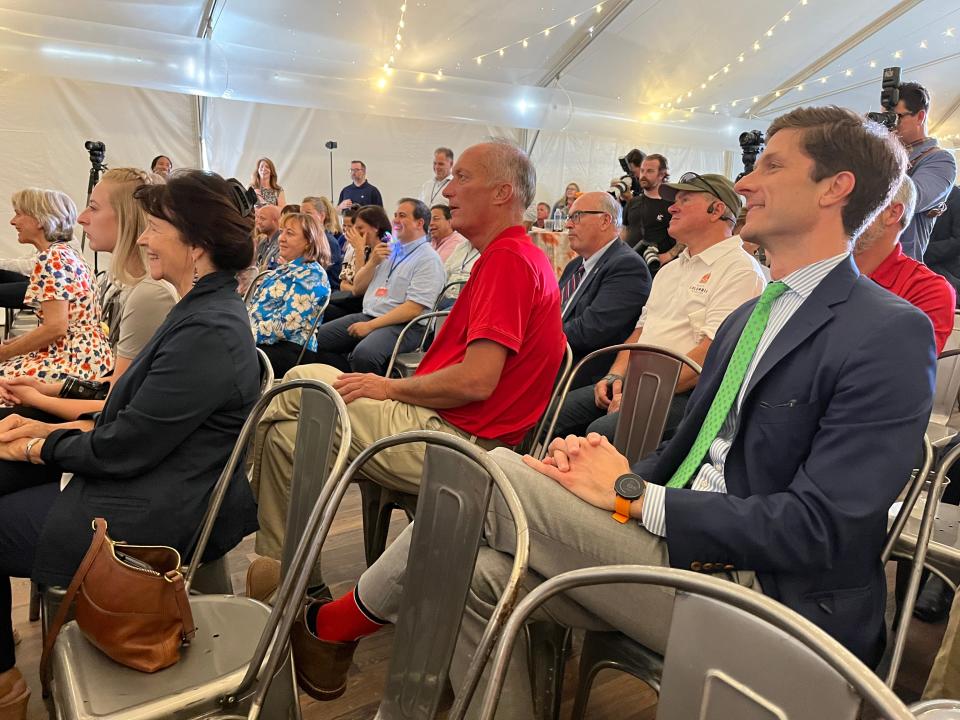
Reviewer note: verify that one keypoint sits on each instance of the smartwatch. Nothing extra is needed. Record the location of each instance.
(628, 487)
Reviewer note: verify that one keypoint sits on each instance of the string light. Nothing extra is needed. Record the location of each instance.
(800, 87)
(397, 46)
(525, 42)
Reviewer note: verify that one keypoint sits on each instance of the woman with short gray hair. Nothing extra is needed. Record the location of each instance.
(69, 339)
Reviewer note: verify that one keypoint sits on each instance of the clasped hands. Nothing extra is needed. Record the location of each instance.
(26, 390)
(16, 432)
(588, 467)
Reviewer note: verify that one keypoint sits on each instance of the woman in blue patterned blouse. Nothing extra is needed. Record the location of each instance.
(285, 306)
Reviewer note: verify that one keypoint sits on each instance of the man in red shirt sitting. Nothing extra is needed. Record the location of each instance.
(502, 342)
(879, 255)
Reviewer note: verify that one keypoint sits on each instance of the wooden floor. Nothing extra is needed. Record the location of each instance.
(615, 697)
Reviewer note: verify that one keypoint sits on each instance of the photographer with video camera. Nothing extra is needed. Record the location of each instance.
(932, 169)
(646, 218)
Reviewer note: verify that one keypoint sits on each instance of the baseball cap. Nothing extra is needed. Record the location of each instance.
(717, 185)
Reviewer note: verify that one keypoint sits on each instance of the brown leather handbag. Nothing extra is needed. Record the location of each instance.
(131, 603)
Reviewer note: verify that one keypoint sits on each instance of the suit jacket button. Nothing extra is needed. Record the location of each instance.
(728, 566)
(696, 566)
(707, 567)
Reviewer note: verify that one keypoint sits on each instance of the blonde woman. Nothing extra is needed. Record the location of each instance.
(264, 182)
(133, 305)
(69, 340)
(319, 208)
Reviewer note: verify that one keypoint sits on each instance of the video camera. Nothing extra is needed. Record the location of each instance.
(889, 97)
(751, 145)
(98, 152)
(623, 184)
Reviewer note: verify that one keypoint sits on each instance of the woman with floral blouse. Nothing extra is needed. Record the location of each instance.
(284, 308)
(69, 339)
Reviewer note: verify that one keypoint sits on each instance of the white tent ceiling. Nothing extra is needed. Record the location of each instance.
(282, 77)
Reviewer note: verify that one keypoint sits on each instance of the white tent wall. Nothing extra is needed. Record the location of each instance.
(45, 122)
(398, 152)
(591, 161)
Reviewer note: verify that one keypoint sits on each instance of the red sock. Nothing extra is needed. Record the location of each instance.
(345, 619)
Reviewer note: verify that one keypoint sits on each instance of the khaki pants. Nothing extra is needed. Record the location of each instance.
(398, 468)
(566, 533)
(944, 680)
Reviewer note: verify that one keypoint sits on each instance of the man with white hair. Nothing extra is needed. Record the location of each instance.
(604, 288)
(879, 255)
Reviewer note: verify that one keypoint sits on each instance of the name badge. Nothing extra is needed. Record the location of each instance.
(381, 292)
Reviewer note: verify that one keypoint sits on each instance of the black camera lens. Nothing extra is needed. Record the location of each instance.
(95, 146)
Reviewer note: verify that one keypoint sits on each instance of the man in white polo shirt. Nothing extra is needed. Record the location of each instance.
(689, 299)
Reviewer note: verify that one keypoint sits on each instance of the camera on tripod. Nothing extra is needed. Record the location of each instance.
(889, 97)
(98, 152)
(751, 145)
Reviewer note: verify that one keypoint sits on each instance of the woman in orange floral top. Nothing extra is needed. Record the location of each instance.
(70, 339)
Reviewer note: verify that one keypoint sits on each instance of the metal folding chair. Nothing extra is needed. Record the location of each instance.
(649, 384)
(944, 709)
(945, 396)
(406, 364)
(535, 437)
(731, 653)
(222, 669)
(378, 503)
(313, 326)
(254, 285)
(458, 479)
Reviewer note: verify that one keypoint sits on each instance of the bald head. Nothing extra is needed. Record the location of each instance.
(268, 219)
(593, 222)
(493, 183)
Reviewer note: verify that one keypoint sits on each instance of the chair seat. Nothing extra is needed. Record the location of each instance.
(936, 710)
(212, 665)
(944, 550)
(407, 363)
(940, 434)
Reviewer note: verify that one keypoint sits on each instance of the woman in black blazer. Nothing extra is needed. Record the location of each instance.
(150, 460)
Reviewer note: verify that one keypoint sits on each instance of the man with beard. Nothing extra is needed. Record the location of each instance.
(646, 218)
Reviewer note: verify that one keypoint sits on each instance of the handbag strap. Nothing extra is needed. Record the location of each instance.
(183, 605)
(99, 537)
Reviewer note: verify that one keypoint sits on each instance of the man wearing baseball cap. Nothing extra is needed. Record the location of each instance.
(711, 276)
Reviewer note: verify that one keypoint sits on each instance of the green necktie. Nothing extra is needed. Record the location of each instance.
(730, 385)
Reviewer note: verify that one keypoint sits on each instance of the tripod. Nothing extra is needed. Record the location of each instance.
(98, 153)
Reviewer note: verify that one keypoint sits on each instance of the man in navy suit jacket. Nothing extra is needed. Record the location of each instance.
(605, 288)
(790, 496)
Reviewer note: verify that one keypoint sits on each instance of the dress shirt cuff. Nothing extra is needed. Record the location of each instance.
(654, 517)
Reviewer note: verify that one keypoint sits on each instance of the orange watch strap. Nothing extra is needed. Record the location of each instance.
(621, 509)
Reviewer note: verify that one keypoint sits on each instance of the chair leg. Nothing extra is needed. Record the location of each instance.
(548, 645)
(376, 520)
(34, 602)
(612, 650)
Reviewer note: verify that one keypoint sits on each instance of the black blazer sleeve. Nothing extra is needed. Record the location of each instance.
(187, 381)
(944, 247)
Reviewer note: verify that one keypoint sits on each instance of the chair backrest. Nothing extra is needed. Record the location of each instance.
(254, 284)
(537, 435)
(457, 482)
(921, 479)
(444, 290)
(731, 653)
(321, 407)
(648, 389)
(430, 317)
(318, 316)
(266, 371)
(948, 386)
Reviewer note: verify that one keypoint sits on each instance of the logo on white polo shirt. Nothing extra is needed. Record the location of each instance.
(700, 286)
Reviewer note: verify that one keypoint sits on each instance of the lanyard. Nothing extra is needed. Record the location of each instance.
(468, 258)
(436, 189)
(397, 263)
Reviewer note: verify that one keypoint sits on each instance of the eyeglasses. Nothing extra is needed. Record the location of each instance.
(576, 217)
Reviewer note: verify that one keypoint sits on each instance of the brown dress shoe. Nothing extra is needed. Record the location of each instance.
(321, 666)
(263, 578)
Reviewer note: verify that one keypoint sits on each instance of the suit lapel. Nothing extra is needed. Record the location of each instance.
(814, 313)
(594, 274)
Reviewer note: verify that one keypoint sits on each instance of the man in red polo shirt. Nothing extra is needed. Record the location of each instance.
(879, 255)
(488, 375)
